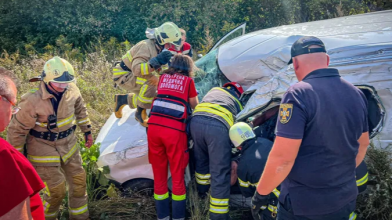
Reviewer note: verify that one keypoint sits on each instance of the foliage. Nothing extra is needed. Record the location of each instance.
(73, 26)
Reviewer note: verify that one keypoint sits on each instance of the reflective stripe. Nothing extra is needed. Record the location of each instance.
(220, 202)
(19, 148)
(49, 215)
(44, 159)
(83, 121)
(70, 153)
(161, 197)
(273, 209)
(178, 198)
(236, 99)
(363, 180)
(276, 192)
(47, 192)
(169, 105)
(59, 123)
(216, 110)
(78, 211)
(203, 182)
(34, 90)
(46, 206)
(134, 100)
(353, 216)
(144, 69)
(140, 81)
(203, 176)
(118, 72)
(246, 184)
(128, 56)
(219, 210)
(141, 96)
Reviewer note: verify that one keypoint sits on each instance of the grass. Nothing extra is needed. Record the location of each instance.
(95, 83)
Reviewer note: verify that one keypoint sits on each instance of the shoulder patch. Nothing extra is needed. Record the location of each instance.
(285, 112)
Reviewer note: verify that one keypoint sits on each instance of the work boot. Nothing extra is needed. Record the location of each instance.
(141, 116)
(121, 101)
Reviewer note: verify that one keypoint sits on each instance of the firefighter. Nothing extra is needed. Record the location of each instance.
(167, 137)
(250, 165)
(138, 70)
(209, 128)
(45, 126)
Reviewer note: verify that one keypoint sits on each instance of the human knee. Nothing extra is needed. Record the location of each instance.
(79, 184)
(56, 194)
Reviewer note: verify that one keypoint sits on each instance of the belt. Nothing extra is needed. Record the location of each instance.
(51, 136)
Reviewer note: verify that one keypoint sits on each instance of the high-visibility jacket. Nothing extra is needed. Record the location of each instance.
(221, 104)
(171, 108)
(36, 106)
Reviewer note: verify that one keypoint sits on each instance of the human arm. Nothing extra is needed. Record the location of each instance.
(83, 121)
(363, 145)
(193, 99)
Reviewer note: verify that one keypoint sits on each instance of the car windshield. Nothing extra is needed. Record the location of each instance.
(208, 74)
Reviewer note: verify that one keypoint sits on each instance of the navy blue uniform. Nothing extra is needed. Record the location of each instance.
(329, 115)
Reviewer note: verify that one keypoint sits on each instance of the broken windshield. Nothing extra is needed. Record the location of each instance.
(208, 74)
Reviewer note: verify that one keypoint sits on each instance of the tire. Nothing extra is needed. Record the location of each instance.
(140, 186)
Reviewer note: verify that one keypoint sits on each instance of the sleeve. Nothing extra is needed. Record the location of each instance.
(82, 119)
(21, 124)
(366, 115)
(361, 175)
(292, 117)
(192, 89)
(247, 190)
(140, 57)
(22, 180)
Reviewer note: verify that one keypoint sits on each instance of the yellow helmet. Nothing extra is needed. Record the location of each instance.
(240, 132)
(58, 70)
(168, 32)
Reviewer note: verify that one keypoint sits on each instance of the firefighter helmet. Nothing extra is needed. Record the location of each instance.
(235, 85)
(240, 132)
(58, 70)
(168, 32)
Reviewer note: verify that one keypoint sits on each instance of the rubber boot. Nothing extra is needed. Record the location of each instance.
(141, 116)
(121, 101)
(163, 209)
(178, 209)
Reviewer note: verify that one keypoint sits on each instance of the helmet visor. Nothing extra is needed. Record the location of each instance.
(64, 78)
(60, 85)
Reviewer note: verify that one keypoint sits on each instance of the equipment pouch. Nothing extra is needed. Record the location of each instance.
(52, 122)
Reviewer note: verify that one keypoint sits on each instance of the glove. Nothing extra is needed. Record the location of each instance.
(88, 138)
(153, 80)
(161, 59)
(258, 201)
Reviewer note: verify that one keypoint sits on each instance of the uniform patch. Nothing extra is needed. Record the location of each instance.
(285, 112)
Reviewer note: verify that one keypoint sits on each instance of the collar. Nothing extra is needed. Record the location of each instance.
(246, 145)
(327, 72)
(45, 93)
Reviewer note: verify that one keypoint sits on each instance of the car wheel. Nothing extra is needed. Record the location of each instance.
(141, 186)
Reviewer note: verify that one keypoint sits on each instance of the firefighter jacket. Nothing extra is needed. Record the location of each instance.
(135, 61)
(221, 104)
(36, 106)
(254, 154)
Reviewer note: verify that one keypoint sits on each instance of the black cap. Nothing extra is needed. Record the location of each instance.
(301, 46)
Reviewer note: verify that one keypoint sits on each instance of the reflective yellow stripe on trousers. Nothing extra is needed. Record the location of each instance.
(353, 216)
(203, 179)
(141, 96)
(363, 180)
(246, 184)
(178, 198)
(161, 197)
(78, 211)
(70, 153)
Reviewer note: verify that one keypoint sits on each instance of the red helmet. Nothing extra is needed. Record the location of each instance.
(235, 85)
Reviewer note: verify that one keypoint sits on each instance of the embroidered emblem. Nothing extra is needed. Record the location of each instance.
(285, 112)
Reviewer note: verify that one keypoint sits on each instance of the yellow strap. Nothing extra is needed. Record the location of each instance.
(70, 153)
(363, 180)
(219, 210)
(44, 159)
(227, 118)
(178, 198)
(161, 197)
(236, 99)
(78, 211)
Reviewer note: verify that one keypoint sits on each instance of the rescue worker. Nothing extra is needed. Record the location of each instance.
(185, 48)
(209, 128)
(45, 127)
(167, 137)
(314, 156)
(250, 165)
(139, 68)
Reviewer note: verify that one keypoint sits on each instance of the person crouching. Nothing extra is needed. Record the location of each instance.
(167, 138)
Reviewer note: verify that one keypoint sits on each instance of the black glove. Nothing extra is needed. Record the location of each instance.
(161, 59)
(258, 201)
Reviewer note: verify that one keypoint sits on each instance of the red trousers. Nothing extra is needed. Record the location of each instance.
(166, 145)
